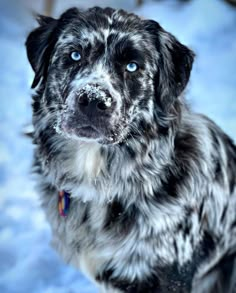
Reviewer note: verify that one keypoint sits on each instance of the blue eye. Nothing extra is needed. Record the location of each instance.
(75, 56)
(132, 67)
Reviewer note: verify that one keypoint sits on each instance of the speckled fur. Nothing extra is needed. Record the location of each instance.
(153, 199)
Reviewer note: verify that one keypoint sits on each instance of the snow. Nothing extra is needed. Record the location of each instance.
(94, 92)
(27, 262)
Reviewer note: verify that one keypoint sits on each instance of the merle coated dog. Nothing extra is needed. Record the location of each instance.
(146, 186)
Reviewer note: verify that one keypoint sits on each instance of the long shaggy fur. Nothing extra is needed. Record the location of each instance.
(152, 184)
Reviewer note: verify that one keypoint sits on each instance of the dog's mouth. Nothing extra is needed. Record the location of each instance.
(86, 131)
(81, 131)
(103, 131)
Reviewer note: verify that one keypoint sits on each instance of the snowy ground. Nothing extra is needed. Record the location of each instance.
(27, 263)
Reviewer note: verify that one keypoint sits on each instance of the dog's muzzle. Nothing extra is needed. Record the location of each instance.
(90, 113)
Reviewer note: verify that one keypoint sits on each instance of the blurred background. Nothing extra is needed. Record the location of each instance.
(27, 262)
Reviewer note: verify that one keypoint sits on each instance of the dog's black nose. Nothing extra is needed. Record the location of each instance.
(90, 105)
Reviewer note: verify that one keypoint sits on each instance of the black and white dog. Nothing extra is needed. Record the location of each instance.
(147, 186)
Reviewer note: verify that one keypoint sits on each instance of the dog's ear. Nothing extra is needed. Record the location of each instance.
(39, 45)
(174, 63)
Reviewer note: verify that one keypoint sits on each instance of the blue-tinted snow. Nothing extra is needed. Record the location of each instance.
(27, 262)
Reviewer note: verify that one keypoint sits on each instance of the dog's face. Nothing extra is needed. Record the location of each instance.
(106, 74)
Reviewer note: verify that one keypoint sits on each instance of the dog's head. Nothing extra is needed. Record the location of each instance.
(106, 74)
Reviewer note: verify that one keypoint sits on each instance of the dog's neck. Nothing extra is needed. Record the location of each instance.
(101, 173)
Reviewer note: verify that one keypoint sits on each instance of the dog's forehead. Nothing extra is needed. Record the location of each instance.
(114, 27)
(106, 36)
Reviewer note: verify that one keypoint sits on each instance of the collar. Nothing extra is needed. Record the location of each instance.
(63, 203)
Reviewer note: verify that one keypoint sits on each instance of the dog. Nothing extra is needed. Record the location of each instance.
(139, 190)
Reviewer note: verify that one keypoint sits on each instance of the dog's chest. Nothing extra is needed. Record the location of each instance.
(101, 233)
(96, 238)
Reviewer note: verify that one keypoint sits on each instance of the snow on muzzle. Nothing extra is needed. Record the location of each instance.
(88, 113)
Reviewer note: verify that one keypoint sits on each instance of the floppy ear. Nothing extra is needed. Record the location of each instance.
(174, 63)
(39, 45)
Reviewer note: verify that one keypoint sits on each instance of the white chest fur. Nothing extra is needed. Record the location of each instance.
(88, 160)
